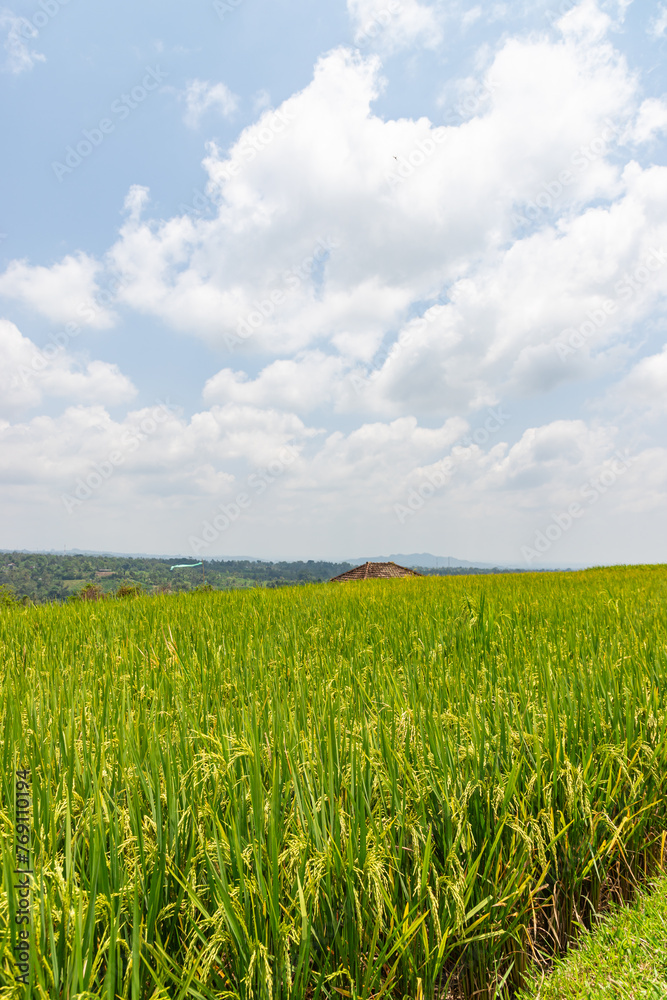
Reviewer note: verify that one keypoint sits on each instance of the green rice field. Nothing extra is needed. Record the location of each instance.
(399, 788)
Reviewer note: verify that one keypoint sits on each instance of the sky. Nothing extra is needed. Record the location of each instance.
(291, 280)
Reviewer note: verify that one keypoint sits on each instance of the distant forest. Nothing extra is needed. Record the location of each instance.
(46, 577)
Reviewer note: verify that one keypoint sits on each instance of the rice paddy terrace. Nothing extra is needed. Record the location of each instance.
(390, 788)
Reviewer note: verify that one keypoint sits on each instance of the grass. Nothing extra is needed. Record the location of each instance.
(397, 789)
(623, 959)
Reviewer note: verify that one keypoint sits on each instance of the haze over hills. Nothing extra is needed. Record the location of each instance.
(135, 555)
(425, 559)
(413, 560)
(428, 561)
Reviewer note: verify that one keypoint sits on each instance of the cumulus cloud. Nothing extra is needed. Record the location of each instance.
(201, 96)
(331, 223)
(65, 292)
(19, 57)
(171, 476)
(30, 375)
(160, 453)
(585, 21)
(651, 120)
(153, 451)
(375, 461)
(408, 272)
(300, 384)
(408, 207)
(644, 388)
(157, 464)
(555, 306)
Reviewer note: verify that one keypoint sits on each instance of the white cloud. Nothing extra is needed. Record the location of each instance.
(135, 201)
(20, 57)
(331, 222)
(548, 462)
(644, 388)
(374, 464)
(658, 25)
(248, 432)
(651, 120)
(395, 24)
(483, 255)
(298, 385)
(167, 476)
(154, 451)
(30, 375)
(402, 213)
(622, 9)
(585, 22)
(553, 307)
(471, 16)
(409, 214)
(201, 96)
(65, 292)
(211, 453)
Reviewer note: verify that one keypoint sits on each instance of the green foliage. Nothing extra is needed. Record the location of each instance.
(387, 789)
(7, 597)
(49, 577)
(89, 592)
(625, 957)
(129, 590)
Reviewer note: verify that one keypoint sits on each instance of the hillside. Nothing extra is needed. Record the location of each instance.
(46, 577)
(43, 577)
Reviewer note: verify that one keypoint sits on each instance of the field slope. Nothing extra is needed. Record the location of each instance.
(400, 788)
(626, 956)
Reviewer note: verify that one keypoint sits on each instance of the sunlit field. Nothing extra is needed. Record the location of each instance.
(401, 788)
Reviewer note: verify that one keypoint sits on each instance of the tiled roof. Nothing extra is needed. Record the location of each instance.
(374, 571)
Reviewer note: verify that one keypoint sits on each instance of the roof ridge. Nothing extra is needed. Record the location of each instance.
(375, 571)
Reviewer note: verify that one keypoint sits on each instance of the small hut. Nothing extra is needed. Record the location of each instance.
(375, 571)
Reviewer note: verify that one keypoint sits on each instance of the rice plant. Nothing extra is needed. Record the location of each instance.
(391, 789)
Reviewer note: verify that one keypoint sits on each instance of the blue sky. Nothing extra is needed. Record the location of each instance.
(299, 281)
